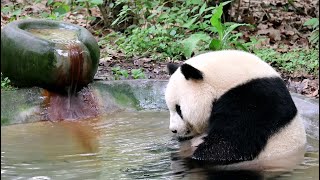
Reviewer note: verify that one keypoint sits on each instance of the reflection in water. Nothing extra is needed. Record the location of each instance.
(55, 35)
(50, 149)
(129, 145)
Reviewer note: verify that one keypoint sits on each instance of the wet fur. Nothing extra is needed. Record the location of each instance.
(243, 119)
(251, 114)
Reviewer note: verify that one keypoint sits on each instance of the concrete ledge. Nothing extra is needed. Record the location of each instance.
(23, 105)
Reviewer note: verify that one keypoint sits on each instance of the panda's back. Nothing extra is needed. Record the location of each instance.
(229, 68)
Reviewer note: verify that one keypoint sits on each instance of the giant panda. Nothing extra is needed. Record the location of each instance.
(235, 111)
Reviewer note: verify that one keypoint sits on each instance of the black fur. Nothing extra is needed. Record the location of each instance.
(172, 68)
(190, 72)
(243, 119)
(178, 109)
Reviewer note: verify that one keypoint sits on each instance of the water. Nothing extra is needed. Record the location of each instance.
(56, 107)
(56, 35)
(126, 145)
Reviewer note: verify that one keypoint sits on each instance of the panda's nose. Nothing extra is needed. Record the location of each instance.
(174, 131)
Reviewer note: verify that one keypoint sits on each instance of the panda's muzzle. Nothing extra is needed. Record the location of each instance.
(175, 131)
(184, 138)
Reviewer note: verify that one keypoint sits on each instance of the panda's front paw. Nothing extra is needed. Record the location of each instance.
(196, 141)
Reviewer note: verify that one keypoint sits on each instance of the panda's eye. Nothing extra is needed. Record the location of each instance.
(178, 109)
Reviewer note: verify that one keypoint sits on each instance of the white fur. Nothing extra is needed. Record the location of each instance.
(222, 71)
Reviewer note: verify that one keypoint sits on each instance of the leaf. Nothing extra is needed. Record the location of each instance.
(195, 2)
(224, 3)
(5, 10)
(314, 37)
(189, 45)
(49, 2)
(314, 22)
(231, 28)
(216, 20)
(163, 16)
(44, 14)
(151, 16)
(215, 44)
(173, 32)
(96, 2)
(124, 73)
(203, 8)
(188, 24)
(16, 12)
(60, 10)
(207, 16)
(194, 9)
(239, 45)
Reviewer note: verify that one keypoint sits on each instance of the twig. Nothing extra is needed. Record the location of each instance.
(238, 10)
(290, 2)
(102, 8)
(267, 14)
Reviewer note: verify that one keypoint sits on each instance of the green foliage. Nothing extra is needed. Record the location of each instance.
(180, 14)
(194, 43)
(163, 31)
(190, 15)
(13, 10)
(124, 74)
(119, 73)
(150, 41)
(251, 45)
(314, 36)
(6, 83)
(226, 39)
(122, 16)
(296, 61)
(137, 74)
(92, 2)
(169, 39)
(5, 121)
(59, 9)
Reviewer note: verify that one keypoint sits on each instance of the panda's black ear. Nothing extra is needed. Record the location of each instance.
(172, 68)
(190, 72)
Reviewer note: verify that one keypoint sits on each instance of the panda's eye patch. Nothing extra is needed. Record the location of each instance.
(178, 109)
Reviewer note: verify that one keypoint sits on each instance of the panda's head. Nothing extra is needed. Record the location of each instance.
(189, 100)
(195, 85)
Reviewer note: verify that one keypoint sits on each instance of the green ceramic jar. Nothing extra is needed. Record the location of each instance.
(49, 54)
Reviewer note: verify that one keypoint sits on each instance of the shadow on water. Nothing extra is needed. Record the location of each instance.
(176, 167)
(205, 171)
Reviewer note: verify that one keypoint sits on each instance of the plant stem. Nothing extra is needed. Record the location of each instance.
(104, 12)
